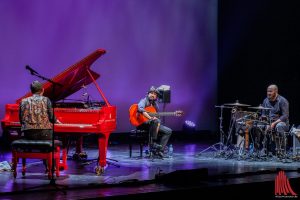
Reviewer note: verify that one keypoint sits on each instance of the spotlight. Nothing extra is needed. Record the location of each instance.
(189, 126)
(190, 123)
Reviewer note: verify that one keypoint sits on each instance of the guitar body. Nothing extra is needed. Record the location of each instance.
(137, 118)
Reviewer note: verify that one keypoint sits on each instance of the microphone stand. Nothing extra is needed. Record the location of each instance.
(54, 84)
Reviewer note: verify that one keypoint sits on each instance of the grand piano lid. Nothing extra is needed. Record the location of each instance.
(72, 79)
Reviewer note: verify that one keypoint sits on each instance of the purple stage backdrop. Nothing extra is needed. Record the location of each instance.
(170, 42)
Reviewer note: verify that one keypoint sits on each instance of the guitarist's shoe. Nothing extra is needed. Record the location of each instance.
(156, 147)
(157, 150)
(158, 154)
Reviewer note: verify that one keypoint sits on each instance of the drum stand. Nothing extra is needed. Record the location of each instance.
(260, 153)
(230, 150)
(281, 145)
(264, 152)
(221, 143)
(231, 126)
(241, 148)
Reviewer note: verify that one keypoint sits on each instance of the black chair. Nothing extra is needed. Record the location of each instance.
(143, 138)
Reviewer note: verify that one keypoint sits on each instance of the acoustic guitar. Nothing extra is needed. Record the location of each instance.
(137, 118)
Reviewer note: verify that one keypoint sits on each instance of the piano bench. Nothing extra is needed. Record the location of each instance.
(35, 149)
(138, 136)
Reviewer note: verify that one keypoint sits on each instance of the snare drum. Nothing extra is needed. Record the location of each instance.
(260, 124)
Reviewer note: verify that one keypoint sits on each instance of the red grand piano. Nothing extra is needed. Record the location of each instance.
(78, 118)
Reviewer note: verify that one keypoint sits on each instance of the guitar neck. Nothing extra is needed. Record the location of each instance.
(162, 114)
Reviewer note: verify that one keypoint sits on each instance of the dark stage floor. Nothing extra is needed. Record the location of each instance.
(184, 174)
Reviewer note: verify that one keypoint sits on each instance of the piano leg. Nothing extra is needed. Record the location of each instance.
(102, 148)
(65, 148)
(63, 165)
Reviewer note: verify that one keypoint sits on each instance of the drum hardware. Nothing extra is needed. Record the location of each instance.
(259, 150)
(222, 135)
(225, 149)
(243, 141)
(255, 125)
(281, 141)
(260, 107)
(241, 148)
(295, 131)
(235, 113)
(234, 109)
(263, 153)
(260, 122)
(231, 127)
(237, 104)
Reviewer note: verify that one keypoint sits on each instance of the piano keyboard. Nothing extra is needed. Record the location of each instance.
(74, 125)
(65, 125)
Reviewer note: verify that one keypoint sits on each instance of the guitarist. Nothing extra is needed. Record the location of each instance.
(160, 133)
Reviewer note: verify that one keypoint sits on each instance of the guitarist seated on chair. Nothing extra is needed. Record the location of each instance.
(160, 133)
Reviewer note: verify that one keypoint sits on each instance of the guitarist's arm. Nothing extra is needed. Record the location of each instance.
(141, 109)
(148, 116)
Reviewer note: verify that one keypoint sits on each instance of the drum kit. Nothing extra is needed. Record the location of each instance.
(245, 122)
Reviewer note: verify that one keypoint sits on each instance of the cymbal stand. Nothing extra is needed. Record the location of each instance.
(257, 151)
(264, 142)
(230, 151)
(221, 142)
(241, 148)
(269, 131)
(231, 126)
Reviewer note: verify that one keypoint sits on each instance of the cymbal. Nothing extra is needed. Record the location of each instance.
(222, 106)
(260, 107)
(236, 104)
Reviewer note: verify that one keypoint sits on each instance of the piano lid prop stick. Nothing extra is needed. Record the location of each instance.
(108, 104)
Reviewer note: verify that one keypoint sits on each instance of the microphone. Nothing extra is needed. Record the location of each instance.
(32, 71)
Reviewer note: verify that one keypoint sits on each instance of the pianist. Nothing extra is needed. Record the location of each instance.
(36, 114)
(160, 133)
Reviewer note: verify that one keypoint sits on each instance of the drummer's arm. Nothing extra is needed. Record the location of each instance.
(274, 123)
(285, 114)
(285, 111)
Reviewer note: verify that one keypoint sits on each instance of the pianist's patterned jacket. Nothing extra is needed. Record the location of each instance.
(36, 112)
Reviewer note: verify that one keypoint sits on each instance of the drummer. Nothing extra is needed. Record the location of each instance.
(279, 110)
(278, 116)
